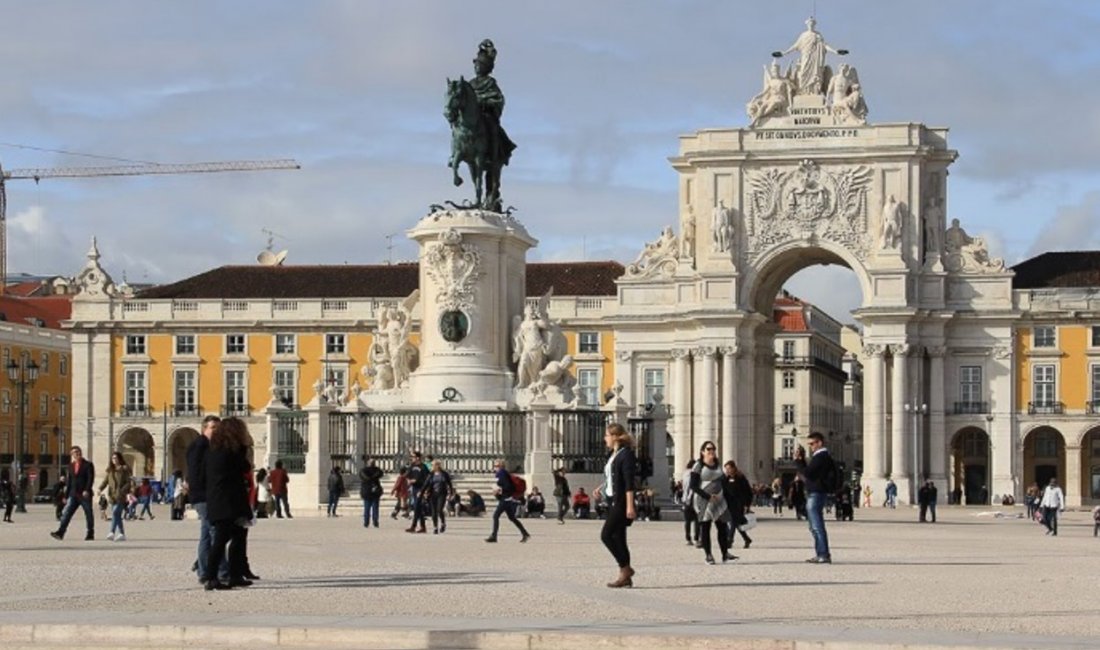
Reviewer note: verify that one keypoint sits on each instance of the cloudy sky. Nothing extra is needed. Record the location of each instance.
(597, 94)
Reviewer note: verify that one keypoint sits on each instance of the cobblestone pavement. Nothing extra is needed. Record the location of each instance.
(972, 574)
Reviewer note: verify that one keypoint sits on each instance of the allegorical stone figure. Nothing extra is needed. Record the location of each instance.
(721, 228)
(809, 71)
(773, 99)
(687, 233)
(891, 224)
(529, 345)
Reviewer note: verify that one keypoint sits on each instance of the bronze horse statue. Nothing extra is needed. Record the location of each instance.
(473, 135)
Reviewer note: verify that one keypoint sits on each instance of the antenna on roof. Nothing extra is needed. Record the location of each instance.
(389, 248)
(268, 257)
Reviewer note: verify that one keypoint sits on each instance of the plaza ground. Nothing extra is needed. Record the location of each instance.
(971, 580)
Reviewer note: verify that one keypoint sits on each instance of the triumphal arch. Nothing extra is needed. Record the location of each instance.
(811, 180)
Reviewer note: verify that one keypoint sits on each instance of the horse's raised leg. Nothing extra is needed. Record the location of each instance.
(475, 174)
(453, 164)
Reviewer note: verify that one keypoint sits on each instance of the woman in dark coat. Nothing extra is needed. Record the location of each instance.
(619, 487)
(227, 508)
(738, 495)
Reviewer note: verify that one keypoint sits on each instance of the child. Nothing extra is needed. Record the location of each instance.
(103, 506)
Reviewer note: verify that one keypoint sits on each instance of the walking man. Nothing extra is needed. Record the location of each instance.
(82, 480)
(922, 501)
(506, 503)
(820, 475)
(196, 490)
(278, 479)
(418, 479)
(933, 494)
(1054, 501)
(370, 489)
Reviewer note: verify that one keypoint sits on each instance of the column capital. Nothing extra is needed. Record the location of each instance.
(707, 351)
(900, 349)
(1001, 352)
(873, 350)
(680, 353)
(732, 351)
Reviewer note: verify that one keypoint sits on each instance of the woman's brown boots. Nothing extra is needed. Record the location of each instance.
(626, 579)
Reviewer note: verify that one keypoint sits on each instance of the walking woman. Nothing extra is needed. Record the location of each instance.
(619, 489)
(439, 486)
(117, 483)
(707, 478)
(227, 506)
(738, 494)
(561, 493)
(691, 519)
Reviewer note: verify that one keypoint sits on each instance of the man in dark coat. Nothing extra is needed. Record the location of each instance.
(78, 495)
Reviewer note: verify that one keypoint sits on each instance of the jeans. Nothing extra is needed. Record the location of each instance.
(280, 504)
(932, 511)
(226, 533)
(145, 507)
(333, 501)
(370, 511)
(206, 539)
(116, 518)
(75, 502)
(563, 507)
(417, 506)
(1050, 520)
(508, 507)
(815, 506)
(439, 510)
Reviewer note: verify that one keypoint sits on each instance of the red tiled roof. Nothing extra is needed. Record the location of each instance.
(49, 310)
(1058, 269)
(790, 320)
(23, 289)
(369, 281)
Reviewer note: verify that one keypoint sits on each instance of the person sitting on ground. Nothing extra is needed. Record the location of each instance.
(454, 503)
(474, 506)
(536, 504)
(581, 504)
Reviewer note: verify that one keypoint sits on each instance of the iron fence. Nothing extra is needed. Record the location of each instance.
(576, 440)
(641, 430)
(292, 432)
(343, 440)
(467, 442)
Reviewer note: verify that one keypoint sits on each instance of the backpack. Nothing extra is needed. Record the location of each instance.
(519, 486)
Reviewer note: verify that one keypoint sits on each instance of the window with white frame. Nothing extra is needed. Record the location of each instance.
(135, 344)
(44, 364)
(43, 405)
(788, 414)
(1043, 385)
(6, 358)
(285, 381)
(588, 384)
(44, 443)
(970, 386)
(335, 344)
(788, 379)
(235, 391)
(186, 399)
(63, 365)
(235, 344)
(135, 389)
(5, 401)
(1043, 336)
(286, 344)
(62, 406)
(788, 448)
(654, 381)
(185, 344)
(337, 378)
(1095, 392)
(788, 349)
(1094, 338)
(588, 342)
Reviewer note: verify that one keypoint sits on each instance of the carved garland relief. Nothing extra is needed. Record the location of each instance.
(809, 203)
(455, 268)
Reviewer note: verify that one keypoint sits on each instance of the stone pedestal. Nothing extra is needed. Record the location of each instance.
(472, 283)
(539, 461)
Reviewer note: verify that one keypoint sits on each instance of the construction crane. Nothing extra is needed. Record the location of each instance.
(37, 174)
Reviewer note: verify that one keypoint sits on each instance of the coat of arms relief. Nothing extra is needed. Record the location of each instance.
(808, 203)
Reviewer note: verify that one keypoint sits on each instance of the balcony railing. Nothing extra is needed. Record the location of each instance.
(235, 410)
(186, 410)
(1046, 408)
(971, 408)
(134, 411)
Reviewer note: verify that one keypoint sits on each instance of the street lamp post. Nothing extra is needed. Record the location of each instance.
(916, 411)
(22, 376)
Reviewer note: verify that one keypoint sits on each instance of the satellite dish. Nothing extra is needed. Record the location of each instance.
(267, 258)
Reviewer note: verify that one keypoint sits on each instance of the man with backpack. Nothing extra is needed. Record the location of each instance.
(509, 488)
(822, 478)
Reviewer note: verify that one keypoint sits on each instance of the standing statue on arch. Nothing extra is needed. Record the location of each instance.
(473, 109)
(810, 74)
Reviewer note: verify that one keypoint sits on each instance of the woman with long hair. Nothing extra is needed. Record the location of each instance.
(439, 485)
(227, 507)
(618, 488)
(707, 478)
(738, 495)
(117, 482)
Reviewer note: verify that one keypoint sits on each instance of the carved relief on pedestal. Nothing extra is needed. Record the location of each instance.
(809, 203)
(455, 268)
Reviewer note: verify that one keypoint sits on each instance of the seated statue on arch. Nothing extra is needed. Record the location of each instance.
(658, 254)
(774, 99)
(846, 96)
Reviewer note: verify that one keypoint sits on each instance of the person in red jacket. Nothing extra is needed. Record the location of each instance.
(581, 504)
(278, 480)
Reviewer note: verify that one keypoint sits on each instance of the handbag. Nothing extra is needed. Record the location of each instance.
(750, 521)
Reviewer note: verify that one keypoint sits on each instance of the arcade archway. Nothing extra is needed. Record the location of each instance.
(1045, 457)
(137, 448)
(970, 466)
(178, 442)
(1090, 467)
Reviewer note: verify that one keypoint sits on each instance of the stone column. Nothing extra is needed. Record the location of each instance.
(705, 394)
(307, 492)
(658, 433)
(937, 435)
(271, 414)
(729, 405)
(539, 459)
(900, 452)
(1072, 488)
(681, 409)
(873, 411)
